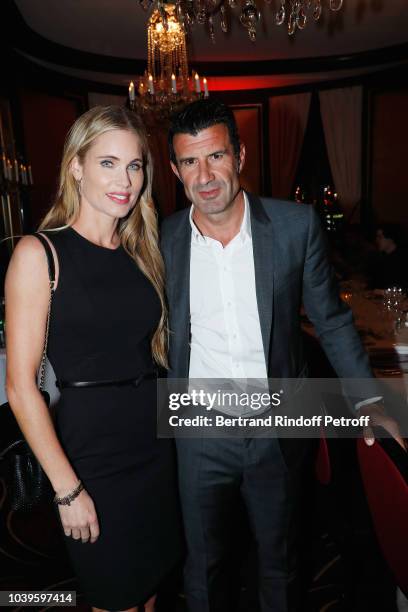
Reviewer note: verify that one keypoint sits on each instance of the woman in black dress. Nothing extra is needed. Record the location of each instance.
(108, 329)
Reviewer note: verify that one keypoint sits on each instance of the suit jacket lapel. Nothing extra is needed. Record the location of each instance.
(180, 269)
(263, 245)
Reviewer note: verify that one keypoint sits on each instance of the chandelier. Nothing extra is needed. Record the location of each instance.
(166, 85)
(295, 13)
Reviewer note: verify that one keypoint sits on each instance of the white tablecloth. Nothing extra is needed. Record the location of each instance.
(377, 328)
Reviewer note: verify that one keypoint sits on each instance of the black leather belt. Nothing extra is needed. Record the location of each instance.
(123, 382)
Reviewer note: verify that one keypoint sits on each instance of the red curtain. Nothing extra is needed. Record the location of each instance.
(287, 123)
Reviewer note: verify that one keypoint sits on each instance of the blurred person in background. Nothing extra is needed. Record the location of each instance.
(389, 266)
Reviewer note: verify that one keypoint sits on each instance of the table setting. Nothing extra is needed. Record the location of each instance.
(381, 318)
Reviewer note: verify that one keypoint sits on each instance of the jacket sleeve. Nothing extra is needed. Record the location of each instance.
(332, 319)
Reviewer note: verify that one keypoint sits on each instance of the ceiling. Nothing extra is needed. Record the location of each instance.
(117, 29)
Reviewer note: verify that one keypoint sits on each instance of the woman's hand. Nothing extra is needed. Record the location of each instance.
(79, 519)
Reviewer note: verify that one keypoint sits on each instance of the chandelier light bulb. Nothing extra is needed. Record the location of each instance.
(132, 91)
(197, 83)
(206, 93)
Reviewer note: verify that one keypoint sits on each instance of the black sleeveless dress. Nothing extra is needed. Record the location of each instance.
(104, 314)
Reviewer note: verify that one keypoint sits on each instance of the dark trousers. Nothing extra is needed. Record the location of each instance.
(215, 475)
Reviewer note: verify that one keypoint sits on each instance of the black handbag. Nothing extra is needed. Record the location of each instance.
(26, 483)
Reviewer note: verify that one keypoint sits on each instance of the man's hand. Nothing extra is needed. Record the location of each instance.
(378, 418)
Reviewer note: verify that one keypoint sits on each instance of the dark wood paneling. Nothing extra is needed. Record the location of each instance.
(46, 120)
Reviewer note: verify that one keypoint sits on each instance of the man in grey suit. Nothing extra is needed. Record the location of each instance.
(237, 270)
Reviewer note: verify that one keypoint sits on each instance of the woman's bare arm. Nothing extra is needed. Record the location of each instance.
(27, 298)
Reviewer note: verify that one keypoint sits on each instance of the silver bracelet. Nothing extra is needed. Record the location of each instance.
(67, 499)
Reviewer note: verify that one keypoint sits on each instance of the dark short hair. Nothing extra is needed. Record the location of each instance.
(201, 115)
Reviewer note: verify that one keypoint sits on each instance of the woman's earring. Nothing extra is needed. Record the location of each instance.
(79, 186)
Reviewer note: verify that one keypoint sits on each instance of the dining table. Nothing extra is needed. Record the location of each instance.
(382, 325)
(383, 329)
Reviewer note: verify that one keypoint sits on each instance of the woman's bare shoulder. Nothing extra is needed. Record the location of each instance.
(28, 245)
(28, 257)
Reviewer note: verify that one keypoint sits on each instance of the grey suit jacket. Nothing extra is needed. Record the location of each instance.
(290, 267)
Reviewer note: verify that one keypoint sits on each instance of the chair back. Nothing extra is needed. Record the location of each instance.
(384, 471)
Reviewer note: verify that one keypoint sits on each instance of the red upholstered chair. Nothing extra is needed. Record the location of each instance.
(384, 471)
(322, 465)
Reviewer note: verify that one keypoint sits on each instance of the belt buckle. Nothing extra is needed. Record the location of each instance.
(136, 382)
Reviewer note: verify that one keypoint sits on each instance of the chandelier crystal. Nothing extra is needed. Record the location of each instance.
(295, 13)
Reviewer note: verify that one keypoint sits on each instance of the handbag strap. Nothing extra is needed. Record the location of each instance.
(51, 276)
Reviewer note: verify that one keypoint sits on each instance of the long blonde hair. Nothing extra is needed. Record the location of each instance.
(138, 231)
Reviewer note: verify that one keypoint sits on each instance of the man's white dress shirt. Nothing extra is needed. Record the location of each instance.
(226, 339)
